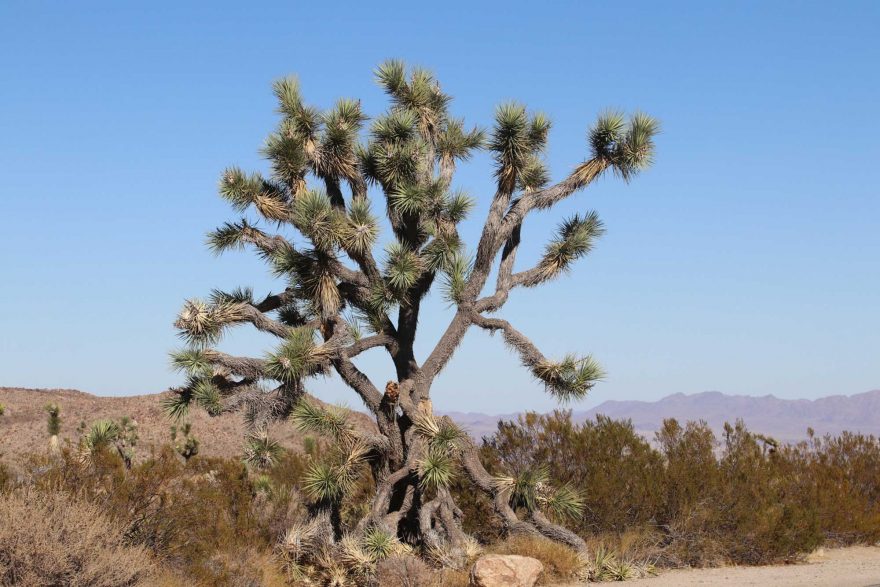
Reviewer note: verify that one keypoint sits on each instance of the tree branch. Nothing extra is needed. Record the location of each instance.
(274, 301)
(368, 343)
(445, 347)
(528, 352)
(498, 230)
(351, 375)
(264, 323)
(239, 366)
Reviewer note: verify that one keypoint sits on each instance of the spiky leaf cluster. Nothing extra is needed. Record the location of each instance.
(456, 143)
(571, 378)
(516, 140)
(53, 421)
(380, 545)
(101, 434)
(311, 141)
(531, 490)
(239, 188)
(261, 451)
(329, 481)
(627, 145)
(310, 417)
(314, 216)
(359, 231)
(403, 268)
(575, 238)
(195, 362)
(207, 396)
(200, 323)
(200, 388)
(437, 468)
(420, 94)
(297, 357)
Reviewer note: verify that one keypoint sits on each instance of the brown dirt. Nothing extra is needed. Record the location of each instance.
(23, 427)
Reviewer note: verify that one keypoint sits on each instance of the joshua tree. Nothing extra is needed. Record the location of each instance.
(340, 299)
(104, 434)
(53, 425)
(188, 446)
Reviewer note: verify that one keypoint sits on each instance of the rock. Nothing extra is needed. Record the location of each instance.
(816, 556)
(509, 570)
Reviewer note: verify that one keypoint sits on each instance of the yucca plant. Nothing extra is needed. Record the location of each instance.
(184, 442)
(343, 292)
(107, 434)
(261, 451)
(53, 426)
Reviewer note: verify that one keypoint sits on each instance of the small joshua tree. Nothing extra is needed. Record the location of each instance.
(53, 426)
(340, 299)
(105, 434)
(188, 445)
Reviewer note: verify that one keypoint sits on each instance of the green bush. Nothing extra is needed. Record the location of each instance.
(742, 500)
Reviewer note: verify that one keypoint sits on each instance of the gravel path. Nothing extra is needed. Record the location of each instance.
(857, 566)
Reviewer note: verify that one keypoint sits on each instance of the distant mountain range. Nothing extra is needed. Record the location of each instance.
(783, 419)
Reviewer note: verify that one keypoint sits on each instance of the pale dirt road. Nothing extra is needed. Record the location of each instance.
(857, 566)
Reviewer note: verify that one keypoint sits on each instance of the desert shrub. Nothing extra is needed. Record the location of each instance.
(405, 571)
(689, 499)
(617, 471)
(6, 476)
(844, 473)
(197, 518)
(53, 539)
(211, 520)
(748, 506)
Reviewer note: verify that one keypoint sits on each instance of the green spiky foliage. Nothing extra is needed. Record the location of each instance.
(333, 421)
(571, 378)
(106, 434)
(53, 419)
(261, 451)
(101, 434)
(313, 217)
(184, 442)
(328, 481)
(531, 490)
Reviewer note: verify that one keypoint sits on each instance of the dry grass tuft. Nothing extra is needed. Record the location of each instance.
(405, 571)
(52, 539)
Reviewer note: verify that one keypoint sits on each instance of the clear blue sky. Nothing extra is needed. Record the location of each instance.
(746, 261)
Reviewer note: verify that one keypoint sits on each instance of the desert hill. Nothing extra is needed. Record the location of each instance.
(23, 427)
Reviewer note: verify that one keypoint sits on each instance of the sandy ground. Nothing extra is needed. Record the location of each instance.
(857, 566)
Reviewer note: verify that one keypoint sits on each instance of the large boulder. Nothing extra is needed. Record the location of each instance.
(505, 570)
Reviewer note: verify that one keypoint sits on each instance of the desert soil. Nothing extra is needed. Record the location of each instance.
(857, 566)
